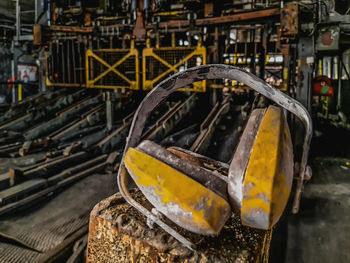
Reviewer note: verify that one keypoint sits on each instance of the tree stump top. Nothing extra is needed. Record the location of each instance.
(119, 233)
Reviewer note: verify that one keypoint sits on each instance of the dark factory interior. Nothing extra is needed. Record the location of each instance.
(192, 131)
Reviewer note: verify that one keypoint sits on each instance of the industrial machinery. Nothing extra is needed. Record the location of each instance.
(103, 40)
(131, 47)
(248, 74)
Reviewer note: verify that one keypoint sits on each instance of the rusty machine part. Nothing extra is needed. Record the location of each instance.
(100, 47)
(205, 208)
(53, 140)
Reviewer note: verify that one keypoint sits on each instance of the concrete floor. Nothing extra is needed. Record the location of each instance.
(321, 230)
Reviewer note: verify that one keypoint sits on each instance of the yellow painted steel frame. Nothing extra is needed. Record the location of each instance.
(150, 52)
(49, 83)
(53, 84)
(269, 175)
(90, 83)
(19, 92)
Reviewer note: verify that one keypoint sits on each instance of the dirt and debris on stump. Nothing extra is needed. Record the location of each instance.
(119, 233)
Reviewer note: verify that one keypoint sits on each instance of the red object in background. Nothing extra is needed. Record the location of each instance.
(13, 79)
(25, 76)
(322, 86)
(327, 39)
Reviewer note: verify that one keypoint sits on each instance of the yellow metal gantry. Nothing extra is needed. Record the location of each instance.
(192, 52)
(91, 82)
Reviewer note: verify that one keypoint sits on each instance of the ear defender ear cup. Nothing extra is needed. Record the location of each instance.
(180, 197)
(261, 192)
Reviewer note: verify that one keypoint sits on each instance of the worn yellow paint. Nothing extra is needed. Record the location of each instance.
(171, 13)
(150, 52)
(91, 83)
(19, 92)
(202, 211)
(269, 173)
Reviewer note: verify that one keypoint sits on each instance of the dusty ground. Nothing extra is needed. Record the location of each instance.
(321, 231)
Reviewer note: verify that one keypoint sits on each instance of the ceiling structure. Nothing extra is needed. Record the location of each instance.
(8, 11)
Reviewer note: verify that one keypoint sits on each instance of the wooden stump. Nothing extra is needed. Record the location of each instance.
(118, 233)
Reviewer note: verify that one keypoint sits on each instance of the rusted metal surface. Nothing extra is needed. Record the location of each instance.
(212, 181)
(61, 119)
(290, 19)
(223, 19)
(20, 109)
(168, 86)
(112, 140)
(166, 123)
(152, 131)
(48, 168)
(70, 29)
(36, 145)
(37, 34)
(92, 118)
(63, 129)
(208, 126)
(202, 161)
(55, 183)
(139, 31)
(208, 10)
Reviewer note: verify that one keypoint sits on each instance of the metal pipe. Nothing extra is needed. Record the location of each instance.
(36, 15)
(18, 20)
(319, 11)
(340, 61)
(48, 12)
(109, 111)
(145, 4)
(134, 9)
(146, 7)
